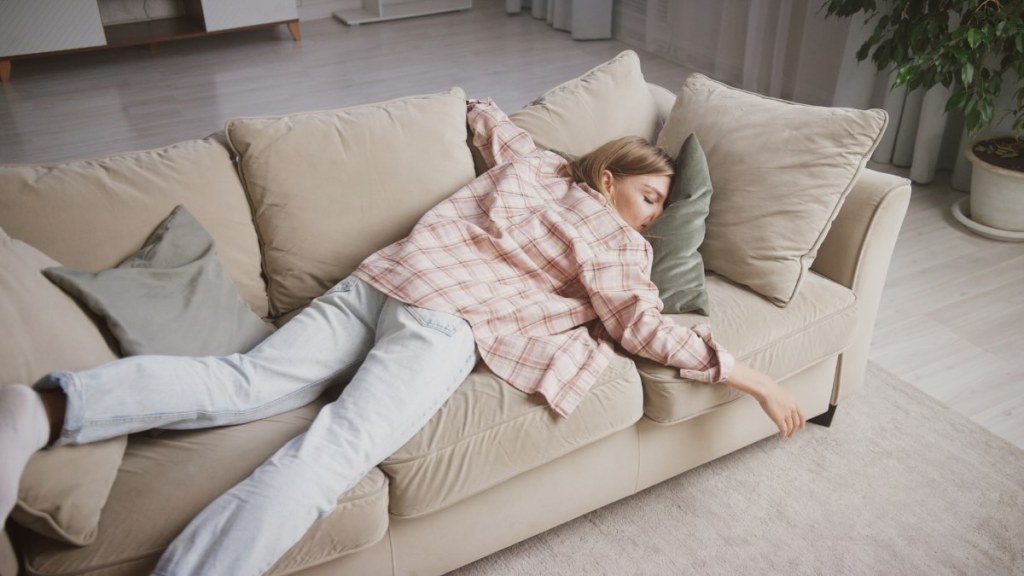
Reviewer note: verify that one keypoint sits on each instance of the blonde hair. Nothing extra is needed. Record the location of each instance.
(627, 156)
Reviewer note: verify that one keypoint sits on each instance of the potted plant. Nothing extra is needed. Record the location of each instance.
(970, 47)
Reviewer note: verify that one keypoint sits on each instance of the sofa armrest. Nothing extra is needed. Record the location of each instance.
(8, 558)
(856, 253)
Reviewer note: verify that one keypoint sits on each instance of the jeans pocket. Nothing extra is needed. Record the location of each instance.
(443, 322)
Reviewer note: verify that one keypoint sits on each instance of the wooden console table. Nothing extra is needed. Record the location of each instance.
(31, 28)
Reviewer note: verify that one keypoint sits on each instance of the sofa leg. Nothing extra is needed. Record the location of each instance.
(824, 419)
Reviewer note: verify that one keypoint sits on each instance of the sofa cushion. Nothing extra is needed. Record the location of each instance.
(817, 324)
(168, 477)
(676, 236)
(780, 171)
(171, 297)
(607, 102)
(62, 490)
(330, 188)
(92, 214)
(488, 432)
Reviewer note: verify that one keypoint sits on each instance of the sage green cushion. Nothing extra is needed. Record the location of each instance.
(676, 236)
(171, 297)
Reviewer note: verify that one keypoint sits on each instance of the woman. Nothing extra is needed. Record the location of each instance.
(538, 266)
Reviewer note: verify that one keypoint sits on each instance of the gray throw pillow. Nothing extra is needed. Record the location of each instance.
(172, 297)
(678, 270)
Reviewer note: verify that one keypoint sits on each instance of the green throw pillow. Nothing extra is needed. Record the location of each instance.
(678, 268)
(172, 297)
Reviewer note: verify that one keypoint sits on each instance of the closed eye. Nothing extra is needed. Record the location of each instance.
(658, 195)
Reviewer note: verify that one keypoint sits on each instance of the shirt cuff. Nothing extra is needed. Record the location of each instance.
(719, 367)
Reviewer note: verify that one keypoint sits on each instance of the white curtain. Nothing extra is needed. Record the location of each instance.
(781, 48)
(789, 49)
(584, 19)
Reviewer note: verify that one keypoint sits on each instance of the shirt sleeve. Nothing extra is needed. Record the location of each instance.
(497, 138)
(627, 303)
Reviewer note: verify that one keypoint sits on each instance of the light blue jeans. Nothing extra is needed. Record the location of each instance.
(407, 362)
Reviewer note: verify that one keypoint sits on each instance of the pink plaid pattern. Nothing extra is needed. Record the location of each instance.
(546, 273)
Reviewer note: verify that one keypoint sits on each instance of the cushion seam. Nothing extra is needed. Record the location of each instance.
(785, 337)
(503, 478)
(463, 439)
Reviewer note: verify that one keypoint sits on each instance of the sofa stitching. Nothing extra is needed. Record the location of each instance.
(783, 338)
(462, 439)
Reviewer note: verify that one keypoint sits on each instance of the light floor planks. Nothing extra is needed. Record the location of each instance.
(952, 316)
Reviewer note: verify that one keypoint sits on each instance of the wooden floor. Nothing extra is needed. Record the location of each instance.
(952, 317)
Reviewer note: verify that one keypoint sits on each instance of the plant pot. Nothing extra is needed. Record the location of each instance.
(997, 194)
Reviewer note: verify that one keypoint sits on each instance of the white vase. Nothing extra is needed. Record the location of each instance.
(996, 201)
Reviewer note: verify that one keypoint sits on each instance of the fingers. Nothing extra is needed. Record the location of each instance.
(793, 421)
(789, 428)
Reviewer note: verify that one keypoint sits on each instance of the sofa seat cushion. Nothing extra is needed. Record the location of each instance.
(817, 324)
(489, 431)
(168, 477)
(92, 214)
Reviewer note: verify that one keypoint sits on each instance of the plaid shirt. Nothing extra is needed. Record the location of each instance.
(546, 273)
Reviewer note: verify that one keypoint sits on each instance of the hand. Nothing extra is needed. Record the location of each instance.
(777, 402)
(780, 405)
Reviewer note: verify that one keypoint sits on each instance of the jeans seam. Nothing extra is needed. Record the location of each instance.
(430, 411)
(426, 322)
(230, 413)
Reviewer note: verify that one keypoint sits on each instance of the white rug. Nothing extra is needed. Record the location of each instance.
(899, 484)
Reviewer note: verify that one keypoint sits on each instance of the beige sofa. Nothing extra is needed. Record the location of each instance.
(294, 203)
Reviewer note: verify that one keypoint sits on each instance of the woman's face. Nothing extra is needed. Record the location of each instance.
(639, 200)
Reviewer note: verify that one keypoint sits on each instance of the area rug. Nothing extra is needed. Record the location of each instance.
(899, 484)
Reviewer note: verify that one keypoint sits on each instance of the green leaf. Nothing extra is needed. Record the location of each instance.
(973, 121)
(974, 37)
(967, 74)
(862, 52)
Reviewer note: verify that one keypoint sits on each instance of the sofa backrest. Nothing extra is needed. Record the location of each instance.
(329, 188)
(91, 214)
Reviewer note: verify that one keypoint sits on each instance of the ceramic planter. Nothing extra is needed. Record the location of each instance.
(996, 202)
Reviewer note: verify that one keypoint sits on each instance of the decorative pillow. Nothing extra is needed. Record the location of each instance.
(608, 102)
(780, 171)
(63, 490)
(59, 207)
(676, 235)
(330, 188)
(171, 297)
